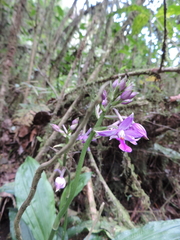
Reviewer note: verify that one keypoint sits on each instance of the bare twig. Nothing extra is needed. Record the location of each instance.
(149, 71)
(165, 37)
(96, 220)
(53, 136)
(90, 197)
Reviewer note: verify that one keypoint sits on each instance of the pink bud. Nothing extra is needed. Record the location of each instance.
(74, 124)
(55, 128)
(133, 94)
(122, 84)
(125, 95)
(115, 83)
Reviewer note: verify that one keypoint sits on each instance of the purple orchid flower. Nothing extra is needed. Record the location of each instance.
(127, 130)
(83, 137)
(60, 181)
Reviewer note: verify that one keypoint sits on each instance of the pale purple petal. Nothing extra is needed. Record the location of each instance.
(132, 95)
(140, 129)
(126, 123)
(122, 84)
(117, 113)
(83, 137)
(115, 83)
(127, 101)
(107, 133)
(125, 95)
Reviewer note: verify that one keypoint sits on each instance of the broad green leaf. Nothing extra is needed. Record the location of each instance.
(133, 7)
(162, 230)
(107, 228)
(8, 188)
(25, 231)
(59, 11)
(168, 152)
(171, 10)
(40, 215)
(83, 180)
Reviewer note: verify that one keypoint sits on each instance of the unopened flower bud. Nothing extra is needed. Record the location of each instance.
(132, 95)
(74, 124)
(60, 183)
(122, 84)
(55, 128)
(125, 95)
(115, 83)
(104, 98)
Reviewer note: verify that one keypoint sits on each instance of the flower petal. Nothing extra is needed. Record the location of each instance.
(126, 123)
(123, 146)
(140, 129)
(107, 133)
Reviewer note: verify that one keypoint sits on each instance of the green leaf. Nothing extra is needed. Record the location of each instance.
(138, 8)
(108, 228)
(8, 188)
(83, 180)
(25, 231)
(171, 10)
(40, 215)
(139, 22)
(166, 230)
(168, 152)
(59, 11)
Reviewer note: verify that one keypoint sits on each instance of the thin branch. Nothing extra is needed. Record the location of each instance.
(149, 71)
(53, 136)
(165, 37)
